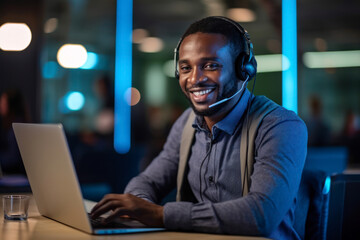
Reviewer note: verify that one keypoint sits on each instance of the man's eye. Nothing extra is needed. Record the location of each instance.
(184, 68)
(212, 66)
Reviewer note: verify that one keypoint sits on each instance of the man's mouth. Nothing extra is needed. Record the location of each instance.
(201, 95)
(202, 92)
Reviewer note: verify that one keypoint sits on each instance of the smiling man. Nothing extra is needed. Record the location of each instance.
(216, 191)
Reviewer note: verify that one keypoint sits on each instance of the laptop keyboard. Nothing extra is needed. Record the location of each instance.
(100, 223)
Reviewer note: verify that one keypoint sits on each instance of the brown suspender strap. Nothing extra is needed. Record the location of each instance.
(260, 107)
(185, 146)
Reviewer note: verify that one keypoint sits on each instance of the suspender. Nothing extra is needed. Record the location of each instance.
(185, 147)
(260, 107)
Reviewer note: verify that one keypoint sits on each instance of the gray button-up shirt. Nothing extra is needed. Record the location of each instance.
(214, 176)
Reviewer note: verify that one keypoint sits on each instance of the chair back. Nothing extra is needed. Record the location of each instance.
(312, 205)
(344, 207)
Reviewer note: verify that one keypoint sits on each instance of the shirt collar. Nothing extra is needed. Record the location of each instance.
(229, 123)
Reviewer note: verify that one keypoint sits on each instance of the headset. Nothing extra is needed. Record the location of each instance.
(245, 63)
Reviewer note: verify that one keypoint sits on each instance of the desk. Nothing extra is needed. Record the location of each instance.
(38, 227)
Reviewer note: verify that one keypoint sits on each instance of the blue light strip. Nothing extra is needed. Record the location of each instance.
(289, 49)
(123, 75)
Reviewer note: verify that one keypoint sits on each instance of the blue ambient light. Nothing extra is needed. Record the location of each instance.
(123, 75)
(91, 61)
(74, 101)
(327, 185)
(289, 50)
(50, 70)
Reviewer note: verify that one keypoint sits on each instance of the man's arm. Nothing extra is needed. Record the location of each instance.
(150, 186)
(160, 176)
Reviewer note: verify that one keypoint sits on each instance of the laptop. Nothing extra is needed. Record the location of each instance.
(54, 183)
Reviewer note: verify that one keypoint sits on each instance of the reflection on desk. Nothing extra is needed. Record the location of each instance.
(42, 228)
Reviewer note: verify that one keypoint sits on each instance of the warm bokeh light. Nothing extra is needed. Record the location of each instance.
(273, 45)
(151, 45)
(72, 55)
(14, 36)
(132, 96)
(320, 44)
(241, 14)
(50, 25)
(139, 35)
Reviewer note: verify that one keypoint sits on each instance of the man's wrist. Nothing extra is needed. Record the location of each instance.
(160, 216)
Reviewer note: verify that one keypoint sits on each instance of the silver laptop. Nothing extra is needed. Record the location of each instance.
(51, 173)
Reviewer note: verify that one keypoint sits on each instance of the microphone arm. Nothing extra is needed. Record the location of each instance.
(227, 99)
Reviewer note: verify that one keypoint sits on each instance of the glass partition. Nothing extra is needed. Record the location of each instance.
(82, 98)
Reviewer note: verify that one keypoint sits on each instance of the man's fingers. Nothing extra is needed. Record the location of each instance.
(107, 206)
(117, 213)
(106, 199)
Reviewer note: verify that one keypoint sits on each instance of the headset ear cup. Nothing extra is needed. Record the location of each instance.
(251, 67)
(245, 69)
(239, 69)
(250, 70)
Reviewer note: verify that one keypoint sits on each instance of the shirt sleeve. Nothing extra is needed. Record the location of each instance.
(280, 151)
(159, 178)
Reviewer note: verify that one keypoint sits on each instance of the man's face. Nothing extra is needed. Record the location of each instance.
(207, 75)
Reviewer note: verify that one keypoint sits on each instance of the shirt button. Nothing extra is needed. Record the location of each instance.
(211, 179)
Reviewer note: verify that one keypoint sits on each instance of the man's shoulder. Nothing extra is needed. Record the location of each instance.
(184, 116)
(181, 121)
(278, 113)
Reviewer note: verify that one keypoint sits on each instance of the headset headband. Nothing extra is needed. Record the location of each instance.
(247, 66)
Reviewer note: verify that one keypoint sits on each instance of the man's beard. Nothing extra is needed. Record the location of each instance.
(229, 90)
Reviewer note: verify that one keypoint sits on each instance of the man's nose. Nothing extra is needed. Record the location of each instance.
(197, 76)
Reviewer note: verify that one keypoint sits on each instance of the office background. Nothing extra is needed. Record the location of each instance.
(82, 97)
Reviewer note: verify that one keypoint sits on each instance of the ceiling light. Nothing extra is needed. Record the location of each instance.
(333, 59)
(241, 14)
(14, 36)
(151, 45)
(139, 35)
(72, 55)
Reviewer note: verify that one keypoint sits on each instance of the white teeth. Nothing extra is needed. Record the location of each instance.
(200, 93)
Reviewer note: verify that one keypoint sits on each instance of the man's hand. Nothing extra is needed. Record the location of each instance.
(126, 204)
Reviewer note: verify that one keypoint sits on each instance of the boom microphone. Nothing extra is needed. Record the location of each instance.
(227, 99)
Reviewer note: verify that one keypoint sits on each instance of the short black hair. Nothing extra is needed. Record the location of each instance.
(220, 25)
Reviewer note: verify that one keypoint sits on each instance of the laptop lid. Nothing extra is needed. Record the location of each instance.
(52, 176)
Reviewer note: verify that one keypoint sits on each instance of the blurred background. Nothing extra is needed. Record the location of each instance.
(63, 71)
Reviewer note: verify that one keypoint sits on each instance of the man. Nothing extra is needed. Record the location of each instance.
(215, 62)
